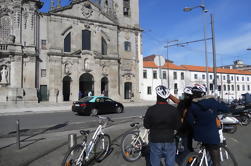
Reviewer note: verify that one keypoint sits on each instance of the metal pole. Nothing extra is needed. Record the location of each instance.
(72, 140)
(214, 53)
(206, 58)
(160, 72)
(18, 134)
(168, 79)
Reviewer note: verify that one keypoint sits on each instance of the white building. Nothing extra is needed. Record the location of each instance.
(231, 82)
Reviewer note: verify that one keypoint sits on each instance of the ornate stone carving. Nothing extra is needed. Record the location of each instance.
(4, 75)
(5, 11)
(87, 9)
(68, 68)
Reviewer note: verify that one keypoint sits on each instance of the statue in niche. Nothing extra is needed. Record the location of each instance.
(4, 75)
(67, 68)
(12, 39)
(86, 64)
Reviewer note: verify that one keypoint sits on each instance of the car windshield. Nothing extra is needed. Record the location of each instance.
(86, 99)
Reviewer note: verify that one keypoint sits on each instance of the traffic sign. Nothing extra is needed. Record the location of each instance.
(159, 60)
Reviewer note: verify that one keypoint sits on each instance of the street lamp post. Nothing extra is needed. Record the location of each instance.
(187, 9)
(168, 78)
(214, 53)
(204, 10)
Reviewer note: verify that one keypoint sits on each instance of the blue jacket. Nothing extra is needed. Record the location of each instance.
(202, 116)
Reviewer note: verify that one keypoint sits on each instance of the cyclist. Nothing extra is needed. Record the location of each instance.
(162, 120)
(202, 116)
(185, 131)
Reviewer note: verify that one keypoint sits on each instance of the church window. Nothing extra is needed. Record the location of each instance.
(86, 40)
(4, 28)
(67, 43)
(104, 46)
(126, 8)
(127, 45)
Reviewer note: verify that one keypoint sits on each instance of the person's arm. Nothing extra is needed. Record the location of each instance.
(146, 122)
(174, 99)
(221, 107)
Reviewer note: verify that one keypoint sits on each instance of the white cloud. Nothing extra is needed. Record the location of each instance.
(234, 45)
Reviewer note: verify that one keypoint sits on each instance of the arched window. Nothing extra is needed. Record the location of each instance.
(86, 40)
(103, 46)
(67, 43)
(4, 28)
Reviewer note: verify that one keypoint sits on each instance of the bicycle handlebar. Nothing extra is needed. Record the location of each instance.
(104, 118)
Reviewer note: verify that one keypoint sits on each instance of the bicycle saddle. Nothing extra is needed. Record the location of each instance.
(84, 132)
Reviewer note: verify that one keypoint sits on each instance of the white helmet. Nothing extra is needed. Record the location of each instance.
(199, 90)
(162, 91)
(188, 90)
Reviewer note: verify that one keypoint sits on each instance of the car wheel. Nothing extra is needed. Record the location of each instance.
(94, 112)
(119, 110)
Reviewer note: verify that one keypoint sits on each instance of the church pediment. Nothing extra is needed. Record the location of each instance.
(84, 9)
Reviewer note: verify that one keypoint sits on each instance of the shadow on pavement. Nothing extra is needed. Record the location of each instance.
(26, 132)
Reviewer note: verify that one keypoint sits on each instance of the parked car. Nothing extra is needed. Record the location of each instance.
(93, 105)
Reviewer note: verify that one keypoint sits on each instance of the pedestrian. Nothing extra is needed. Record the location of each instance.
(185, 131)
(80, 94)
(162, 119)
(202, 116)
(90, 93)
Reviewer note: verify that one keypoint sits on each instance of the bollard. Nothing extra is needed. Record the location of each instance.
(72, 140)
(18, 134)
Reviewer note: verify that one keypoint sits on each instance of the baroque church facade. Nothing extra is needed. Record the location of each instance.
(68, 52)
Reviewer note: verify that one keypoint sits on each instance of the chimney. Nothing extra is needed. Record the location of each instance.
(59, 4)
(52, 4)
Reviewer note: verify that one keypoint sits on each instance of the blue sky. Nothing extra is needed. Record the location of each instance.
(164, 20)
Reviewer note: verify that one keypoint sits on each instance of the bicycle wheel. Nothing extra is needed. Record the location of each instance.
(227, 158)
(192, 159)
(101, 147)
(131, 146)
(72, 156)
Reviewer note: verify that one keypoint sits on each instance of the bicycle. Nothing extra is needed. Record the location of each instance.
(202, 157)
(99, 145)
(134, 142)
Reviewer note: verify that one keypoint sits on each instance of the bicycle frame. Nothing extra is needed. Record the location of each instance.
(88, 149)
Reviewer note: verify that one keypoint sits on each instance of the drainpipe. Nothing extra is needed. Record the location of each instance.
(119, 62)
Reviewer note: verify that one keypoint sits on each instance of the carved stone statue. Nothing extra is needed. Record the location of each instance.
(4, 75)
(12, 39)
(67, 68)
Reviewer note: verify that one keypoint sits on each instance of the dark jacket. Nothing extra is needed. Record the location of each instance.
(162, 120)
(202, 116)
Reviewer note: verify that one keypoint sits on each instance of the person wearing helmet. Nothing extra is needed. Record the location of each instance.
(162, 119)
(185, 131)
(202, 117)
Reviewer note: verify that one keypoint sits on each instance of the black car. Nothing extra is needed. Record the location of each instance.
(93, 105)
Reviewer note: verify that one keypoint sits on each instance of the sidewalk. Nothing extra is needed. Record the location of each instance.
(49, 149)
(23, 108)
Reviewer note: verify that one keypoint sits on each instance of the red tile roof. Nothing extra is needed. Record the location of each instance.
(219, 70)
(148, 62)
(151, 64)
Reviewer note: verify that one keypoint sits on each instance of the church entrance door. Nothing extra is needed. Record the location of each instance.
(104, 86)
(127, 90)
(86, 85)
(66, 88)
